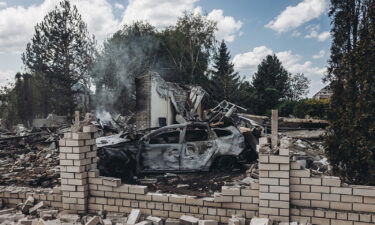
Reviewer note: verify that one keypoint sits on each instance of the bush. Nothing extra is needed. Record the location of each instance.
(305, 107)
(286, 108)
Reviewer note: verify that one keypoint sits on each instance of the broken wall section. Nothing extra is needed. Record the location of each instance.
(12, 196)
(110, 195)
(321, 200)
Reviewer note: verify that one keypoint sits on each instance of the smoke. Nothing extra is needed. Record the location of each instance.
(129, 53)
(103, 115)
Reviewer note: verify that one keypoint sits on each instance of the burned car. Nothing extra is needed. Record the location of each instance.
(187, 147)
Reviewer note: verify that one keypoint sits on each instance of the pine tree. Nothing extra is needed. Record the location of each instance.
(225, 82)
(61, 51)
(271, 83)
(351, 138)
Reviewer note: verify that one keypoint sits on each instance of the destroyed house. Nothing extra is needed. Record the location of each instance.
(160, 103)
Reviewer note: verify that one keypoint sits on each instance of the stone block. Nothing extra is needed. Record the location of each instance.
(207, 222)
(74, 143)
(311, 196)
(273, 166)
(269, 181)
(295, 165)
(279, 174)
(137, 189)
(146, 222)
(80, 136)
(218, 197)
(341, 190)
(263, 158)
(279, 159)
(134, 216)
(249, 192)
(90, 129)
(300, 173)
(40, 205)
(279, 204)
(81, 149)
(113, 182)
(331, 181)
(269, 196)
(320, 189)
(284, 151)
(177, 199)
(65, 149)
(171, 221)
(341, 206)
(155, 220)
(188, 220)
(351, 198)
(260, 221)
(364, 192)
(311, 181)
(228, 190)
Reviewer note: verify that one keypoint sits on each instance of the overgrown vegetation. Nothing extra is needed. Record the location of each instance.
(351, 138)
(303, 108)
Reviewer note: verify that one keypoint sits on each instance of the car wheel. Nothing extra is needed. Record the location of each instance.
(226, 163)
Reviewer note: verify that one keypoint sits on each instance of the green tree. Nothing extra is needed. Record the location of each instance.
(225, 81)
(17, 101)
(187, 48)
(271, 84)
(351, 138)
(61, 51)
(299, 86)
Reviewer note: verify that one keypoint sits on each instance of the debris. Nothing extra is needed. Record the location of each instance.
(6, 211)
(133, 216)
(240, 219)
(207, 222)
(27, 205)
(171, 221)
(188, 220)
(107, 222)
(155, 220)
(182, 185)
(233, 221)
(68, 218)
(145, 222)
(260, 221)
(93, 221)
(40, 205)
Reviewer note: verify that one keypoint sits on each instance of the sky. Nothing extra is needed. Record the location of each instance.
(297, 31)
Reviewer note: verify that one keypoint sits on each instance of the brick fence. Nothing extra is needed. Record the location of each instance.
(285, 192)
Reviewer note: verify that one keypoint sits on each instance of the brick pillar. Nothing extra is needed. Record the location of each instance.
(274, 191)
(77, 158)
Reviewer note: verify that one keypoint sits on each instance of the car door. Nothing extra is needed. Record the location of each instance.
(162, 151)
(198, 147)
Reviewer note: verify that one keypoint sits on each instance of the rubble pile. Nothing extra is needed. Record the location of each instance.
(40, 213)
(310, 154)
(202, 184)
(29, 158)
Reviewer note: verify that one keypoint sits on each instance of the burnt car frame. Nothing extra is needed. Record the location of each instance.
(187, 147)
